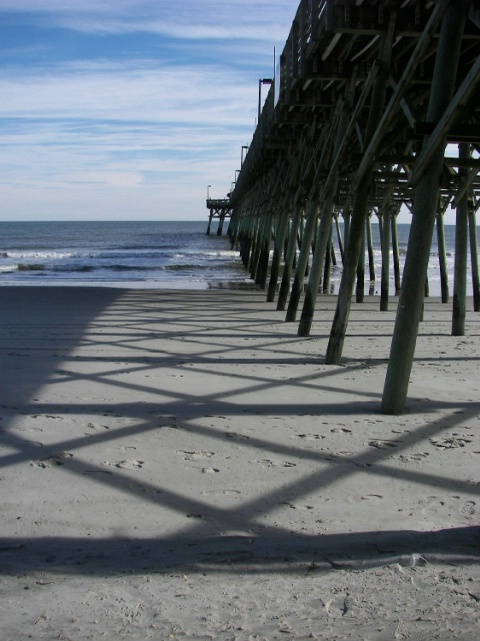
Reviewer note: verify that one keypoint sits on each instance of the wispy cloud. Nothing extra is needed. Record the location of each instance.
(113, 92)
(235, 19)
(128, 108)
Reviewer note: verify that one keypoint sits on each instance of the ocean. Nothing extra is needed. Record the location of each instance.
(119, 254)
(156, 254)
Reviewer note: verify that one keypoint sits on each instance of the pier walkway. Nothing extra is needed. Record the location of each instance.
(374, 106)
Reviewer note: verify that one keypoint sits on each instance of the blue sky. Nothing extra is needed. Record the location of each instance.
(128, 109)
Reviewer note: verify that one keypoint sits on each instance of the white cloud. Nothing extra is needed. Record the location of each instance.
(103, 136)
(265, 20)
(115, 93)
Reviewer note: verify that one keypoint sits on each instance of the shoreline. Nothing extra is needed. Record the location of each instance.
(241, 284)
(179, 462)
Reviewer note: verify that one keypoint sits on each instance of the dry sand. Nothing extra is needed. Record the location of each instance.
(179, 465)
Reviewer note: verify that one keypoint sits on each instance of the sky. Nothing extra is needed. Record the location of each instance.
(129, 109)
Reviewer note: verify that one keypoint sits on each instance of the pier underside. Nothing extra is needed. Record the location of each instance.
(374, 107)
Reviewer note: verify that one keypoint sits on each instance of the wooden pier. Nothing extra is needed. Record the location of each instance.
(374, 106)
(220, 208)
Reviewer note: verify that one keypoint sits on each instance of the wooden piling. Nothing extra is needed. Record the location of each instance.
(209, 223)
(423, 219)
(302, 263)
(371, 259)
(324, 235)
(324, 232)
(395, 252)
(442, 256)
(347, 217)
(356, 232)
(290, 199)
(339, 237)
(472, 228)
(265, 244)
(355, 237)
(258, 238)
(360, 284)
(279, 245)
(220, 224)
(390, 157)
(290, 255)
(248, 232)
(461, 251)
(329, 261)
(385, 278)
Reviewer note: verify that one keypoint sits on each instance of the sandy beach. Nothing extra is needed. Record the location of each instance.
(180, 465)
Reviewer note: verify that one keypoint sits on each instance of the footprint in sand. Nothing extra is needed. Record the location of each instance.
(236, 436)
(265, 462)
(339, 606)
(383, 445)
(432, 506)
(195, 456)
(468, 509)
(126, 465)
(53, 460)
(296, 506)
(418, 456)
(449, 443)
(268, 463)
(97, 426)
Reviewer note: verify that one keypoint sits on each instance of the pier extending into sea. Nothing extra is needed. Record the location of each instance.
(374, 106)
(220, 208)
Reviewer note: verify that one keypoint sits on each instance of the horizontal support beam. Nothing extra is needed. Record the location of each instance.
(456, 133)
(437, 138)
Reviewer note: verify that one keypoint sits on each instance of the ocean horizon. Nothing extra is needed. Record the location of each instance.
(159, 254)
